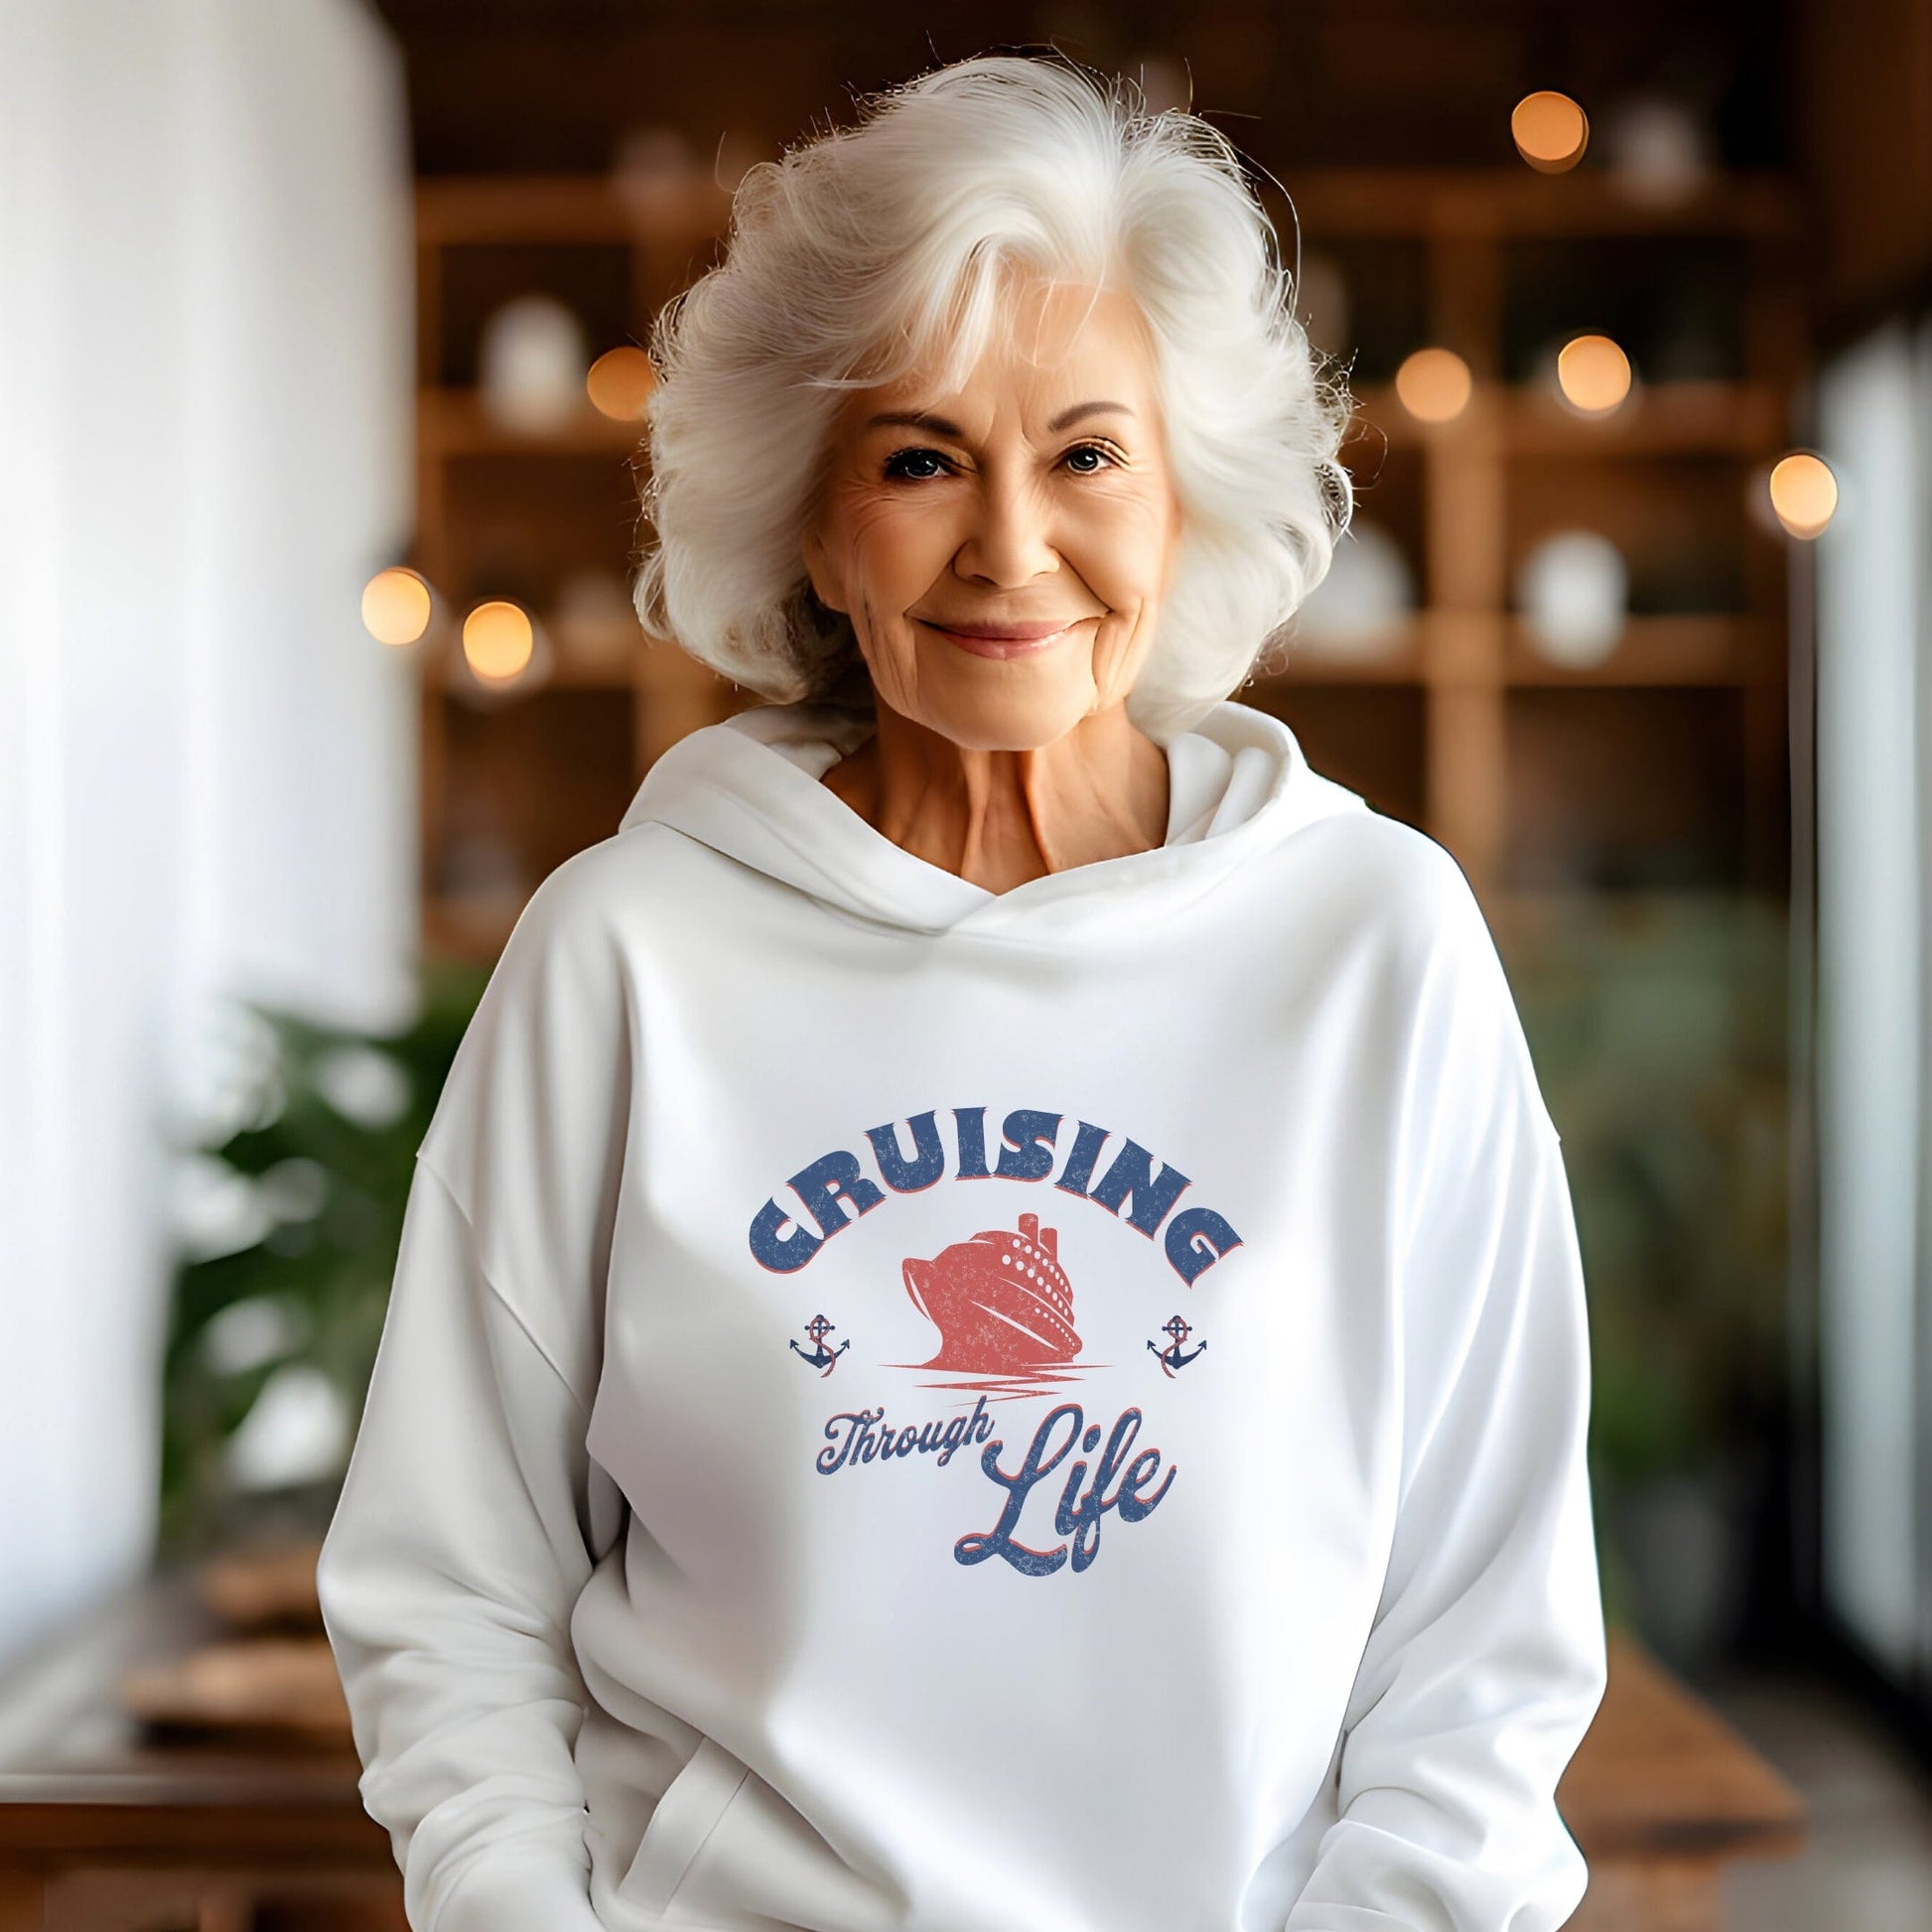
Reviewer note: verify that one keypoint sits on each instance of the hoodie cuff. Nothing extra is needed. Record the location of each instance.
(519, 1888)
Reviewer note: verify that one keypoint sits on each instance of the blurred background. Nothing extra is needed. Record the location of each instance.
(321, 400)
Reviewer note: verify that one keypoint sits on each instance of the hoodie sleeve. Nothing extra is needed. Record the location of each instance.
(472, 1513)
(1486, 1661)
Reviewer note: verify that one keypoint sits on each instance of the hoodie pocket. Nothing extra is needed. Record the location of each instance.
(685, 1816)
(762, 1861)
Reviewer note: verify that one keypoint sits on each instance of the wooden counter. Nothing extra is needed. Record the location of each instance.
(1660, 1794)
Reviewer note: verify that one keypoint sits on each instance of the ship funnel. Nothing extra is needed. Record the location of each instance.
(1048, 1239)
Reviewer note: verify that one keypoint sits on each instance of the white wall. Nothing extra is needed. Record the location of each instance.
(207, 782)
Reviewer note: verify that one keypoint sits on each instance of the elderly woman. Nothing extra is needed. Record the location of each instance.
(989, 1334)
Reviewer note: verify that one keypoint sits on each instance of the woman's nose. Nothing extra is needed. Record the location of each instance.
(1010, 542)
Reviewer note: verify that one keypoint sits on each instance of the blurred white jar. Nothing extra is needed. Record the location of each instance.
(1659, 149)
(533, 364)
(1573, 592)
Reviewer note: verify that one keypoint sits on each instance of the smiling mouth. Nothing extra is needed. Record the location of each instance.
(1006, 640)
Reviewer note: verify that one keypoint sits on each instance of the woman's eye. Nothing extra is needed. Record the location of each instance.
(912, 464)
(1093, 449)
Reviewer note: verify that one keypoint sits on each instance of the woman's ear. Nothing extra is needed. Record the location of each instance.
(826, 586)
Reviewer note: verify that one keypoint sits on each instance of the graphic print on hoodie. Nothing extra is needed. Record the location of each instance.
(1003, 1309)
(898, 1398)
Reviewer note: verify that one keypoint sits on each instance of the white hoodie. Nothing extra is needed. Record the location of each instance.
(911, 1409)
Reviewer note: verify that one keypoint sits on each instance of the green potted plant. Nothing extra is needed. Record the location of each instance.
(276, 1311)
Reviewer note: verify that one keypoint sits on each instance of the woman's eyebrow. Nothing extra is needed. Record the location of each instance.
(1080, 409)
(922, 419)
(916, 419)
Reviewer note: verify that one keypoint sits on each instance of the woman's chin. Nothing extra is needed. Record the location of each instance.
(1010, 720)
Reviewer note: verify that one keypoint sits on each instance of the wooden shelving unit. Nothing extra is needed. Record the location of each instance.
(1460, 726)
(1468, 249)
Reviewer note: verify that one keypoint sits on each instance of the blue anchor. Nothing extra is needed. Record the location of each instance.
(1171, 1357)
(822, 1357)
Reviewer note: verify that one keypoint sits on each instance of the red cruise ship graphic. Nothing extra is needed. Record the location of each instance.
(1001, 1302)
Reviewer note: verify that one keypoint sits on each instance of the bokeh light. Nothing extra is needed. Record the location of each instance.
(620, 383)
(396, 607)
(1550, 131)
(499, 640)
(1434, 385)
(1803, 493)
(1594, 374)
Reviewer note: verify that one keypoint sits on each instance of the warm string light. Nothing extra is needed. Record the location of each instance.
(499, 640)
(1550, 132)
(1434, 385)
(396, 606)
(1803, 493)
(1594, 374)
(620, 383)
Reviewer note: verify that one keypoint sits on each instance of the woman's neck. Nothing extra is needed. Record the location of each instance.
(1000, 818)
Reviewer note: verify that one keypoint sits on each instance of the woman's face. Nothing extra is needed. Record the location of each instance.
(1003, 550)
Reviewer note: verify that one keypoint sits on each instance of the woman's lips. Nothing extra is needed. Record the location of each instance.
(1006, 639)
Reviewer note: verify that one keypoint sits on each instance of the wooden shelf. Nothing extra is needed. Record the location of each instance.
(455, 680)
(1478, 204)
(454, 210)
(1722, 651)
(1662, 419)
(454, 423)
(1394, 656)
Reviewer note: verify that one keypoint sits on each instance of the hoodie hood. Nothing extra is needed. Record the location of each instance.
(749, 788)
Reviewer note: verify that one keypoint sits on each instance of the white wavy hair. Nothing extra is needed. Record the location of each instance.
(866, 251)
